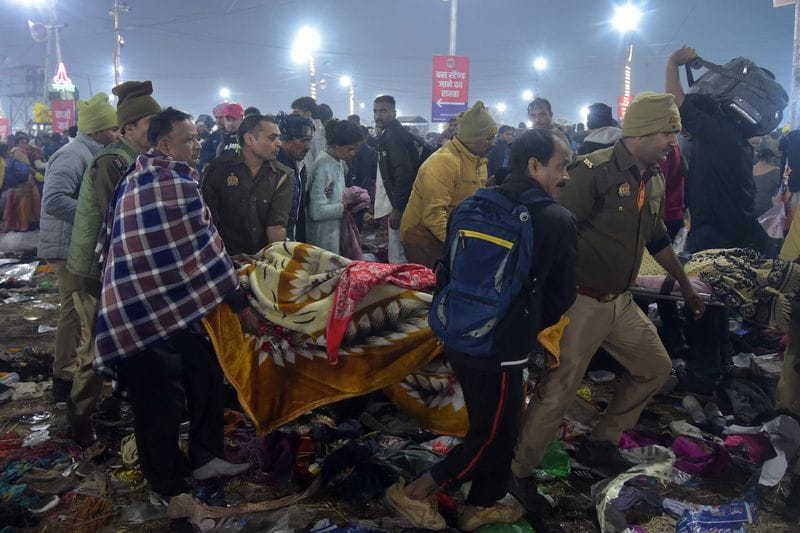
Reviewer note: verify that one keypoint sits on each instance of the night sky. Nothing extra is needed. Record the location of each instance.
(190, 49)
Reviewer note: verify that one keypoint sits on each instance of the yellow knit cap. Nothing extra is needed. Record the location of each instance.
(475, 124)
(96, 114)
(651, 113)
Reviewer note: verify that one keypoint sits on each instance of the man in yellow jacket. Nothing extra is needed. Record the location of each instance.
(788, 393)
(451, 174)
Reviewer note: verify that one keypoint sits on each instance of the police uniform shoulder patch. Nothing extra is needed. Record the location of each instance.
(119, 163)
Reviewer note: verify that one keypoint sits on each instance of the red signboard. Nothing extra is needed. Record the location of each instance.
(450, 87)
(622, 106)
(5, 126)
(63, 115)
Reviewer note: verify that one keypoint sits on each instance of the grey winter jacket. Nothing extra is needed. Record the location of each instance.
(62, 182)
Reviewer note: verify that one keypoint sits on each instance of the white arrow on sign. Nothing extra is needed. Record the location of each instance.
(440, 103)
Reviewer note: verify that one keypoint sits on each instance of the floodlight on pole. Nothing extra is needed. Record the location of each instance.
(583, 114)
(626, 18)
(527, 94)
(626, 21)
(306, 43)
(347, 82)
(225, 93)
(539, 64)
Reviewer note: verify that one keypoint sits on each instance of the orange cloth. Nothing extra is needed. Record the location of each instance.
(23, 207)
(550, 339)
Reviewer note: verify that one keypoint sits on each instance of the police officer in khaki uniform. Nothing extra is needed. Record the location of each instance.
(617, 197)
(135, 106)
(250, 193)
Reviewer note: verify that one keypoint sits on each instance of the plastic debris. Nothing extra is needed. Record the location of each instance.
(43, 328)
(728, 518)
(17, 274)
(556, 461)
(694, 409)
(585, 392)
(17, 298)
(520, 526)
(37, 437)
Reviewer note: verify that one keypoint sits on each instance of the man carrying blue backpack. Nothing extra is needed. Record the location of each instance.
(509, 271)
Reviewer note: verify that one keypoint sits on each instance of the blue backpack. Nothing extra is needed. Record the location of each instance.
(485, 275)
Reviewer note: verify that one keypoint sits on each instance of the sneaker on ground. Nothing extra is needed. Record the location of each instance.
(8, 378)
(603, 456)
(217, 467)
(472, 517)
(423, 514)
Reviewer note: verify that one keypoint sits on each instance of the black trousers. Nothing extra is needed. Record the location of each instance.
(164, 382)
(494, 403)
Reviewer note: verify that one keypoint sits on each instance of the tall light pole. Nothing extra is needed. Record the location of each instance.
(305, 44)
(626, 21)
(453, 21)
(53, 42)
(119, 41)
(347, 82)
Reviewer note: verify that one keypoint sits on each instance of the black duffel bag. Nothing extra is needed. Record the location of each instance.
(744, 89)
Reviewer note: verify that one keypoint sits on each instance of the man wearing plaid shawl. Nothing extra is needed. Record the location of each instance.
(165, 268)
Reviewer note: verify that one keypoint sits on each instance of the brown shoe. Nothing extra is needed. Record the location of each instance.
(472, 517)
(423, 514)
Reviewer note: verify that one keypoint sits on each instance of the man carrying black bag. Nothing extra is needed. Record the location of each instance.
(720, 197)
(492, 382)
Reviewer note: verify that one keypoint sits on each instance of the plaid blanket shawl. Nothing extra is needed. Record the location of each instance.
(311, 299)
(165, 266)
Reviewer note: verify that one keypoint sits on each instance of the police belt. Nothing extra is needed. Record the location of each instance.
(600, 296)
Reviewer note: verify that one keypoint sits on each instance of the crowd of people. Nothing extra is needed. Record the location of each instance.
(142, 210)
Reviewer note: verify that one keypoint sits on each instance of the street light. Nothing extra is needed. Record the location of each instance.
(626, 18)
(539, 64)
(583, 114)
(305, 44)
(347, 82)
(225, 93)
(527, 95)
(626, 22)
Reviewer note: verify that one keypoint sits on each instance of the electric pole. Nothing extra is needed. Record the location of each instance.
(119, 8)
(453, 20)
